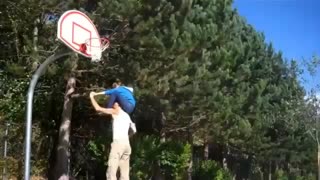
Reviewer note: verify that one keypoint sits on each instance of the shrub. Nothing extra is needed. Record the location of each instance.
(148, 152)
(209, 169)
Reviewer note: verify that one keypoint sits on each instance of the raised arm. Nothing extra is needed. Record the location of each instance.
(99, 93)
(106, 92)
(98, 108)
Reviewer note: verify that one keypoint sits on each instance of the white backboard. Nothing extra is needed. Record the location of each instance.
(74, 29)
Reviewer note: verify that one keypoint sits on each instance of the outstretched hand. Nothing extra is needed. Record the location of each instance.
(92, 94)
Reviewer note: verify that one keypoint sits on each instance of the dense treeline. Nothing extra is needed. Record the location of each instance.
(214, 99)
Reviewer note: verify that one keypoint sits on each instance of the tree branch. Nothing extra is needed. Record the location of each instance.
(49, 52)
(71, 87)
(78, 95)
(85, 70)
(317, 137)
(188, 126)
(82, 137)
(312, 135)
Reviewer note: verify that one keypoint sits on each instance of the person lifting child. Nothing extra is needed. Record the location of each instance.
(121, 94)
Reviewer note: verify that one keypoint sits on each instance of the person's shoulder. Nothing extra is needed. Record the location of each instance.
(122, 87)
(125, 115)
(121, 112)
(126, 88)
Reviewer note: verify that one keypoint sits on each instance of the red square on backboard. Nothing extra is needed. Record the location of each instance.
(82, 33)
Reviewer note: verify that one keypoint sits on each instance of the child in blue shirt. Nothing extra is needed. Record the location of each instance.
(121, 94)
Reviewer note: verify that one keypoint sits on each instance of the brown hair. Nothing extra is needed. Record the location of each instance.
(117, 82)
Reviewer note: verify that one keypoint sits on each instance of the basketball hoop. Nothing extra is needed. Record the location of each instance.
(102, 45)
(76, 30)
(96, 46)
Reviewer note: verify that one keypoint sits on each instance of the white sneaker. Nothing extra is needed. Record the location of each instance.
(133, 127)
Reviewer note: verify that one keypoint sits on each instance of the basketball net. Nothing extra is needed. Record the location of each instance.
(96, 55)
(97, 46)
(96, 50)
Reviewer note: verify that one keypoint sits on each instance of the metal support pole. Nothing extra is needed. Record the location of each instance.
(4, 174)
(32, 86)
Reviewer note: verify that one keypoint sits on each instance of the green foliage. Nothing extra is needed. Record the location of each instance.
(95, 148)
(40, 167)
(309, 176)
(281, 175)
(145, 151)
(13, 100)
(210, 169)
(198, 69)
(171, 156)
(174, 158)
(12, 165)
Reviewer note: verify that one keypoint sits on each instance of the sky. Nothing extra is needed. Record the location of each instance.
(293, 26)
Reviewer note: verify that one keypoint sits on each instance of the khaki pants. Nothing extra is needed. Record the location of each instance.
(119, 157)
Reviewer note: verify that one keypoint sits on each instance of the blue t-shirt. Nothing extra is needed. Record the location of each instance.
(124, 92)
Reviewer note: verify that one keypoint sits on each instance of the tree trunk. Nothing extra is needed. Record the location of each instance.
(270, 171)
(35, 35)
(224, 159)
(190, 167)
(62, 164)
(318, 162)
(261, 173)
(206, 149)
(157, 174)
(16, 38)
